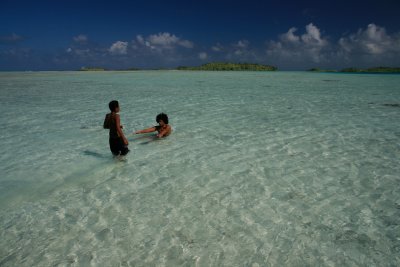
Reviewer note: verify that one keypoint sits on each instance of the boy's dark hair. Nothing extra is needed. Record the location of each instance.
(163, 117)
(113, 105)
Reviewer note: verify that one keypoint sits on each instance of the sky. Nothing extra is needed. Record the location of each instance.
(291, 35)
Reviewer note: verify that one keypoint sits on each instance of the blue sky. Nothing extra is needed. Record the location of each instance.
(292, 35)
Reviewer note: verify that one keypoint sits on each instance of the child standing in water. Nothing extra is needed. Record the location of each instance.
(118, 141)
(163, 128)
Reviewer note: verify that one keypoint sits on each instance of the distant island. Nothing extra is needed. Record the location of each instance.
(131, 69)
(104, 69)
(373, 70)
(358, 70)
(226, 66)
(321, 70)
(92, 69)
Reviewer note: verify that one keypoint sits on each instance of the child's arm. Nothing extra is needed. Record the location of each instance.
(148, 130)
(164, 132)
(119, 130)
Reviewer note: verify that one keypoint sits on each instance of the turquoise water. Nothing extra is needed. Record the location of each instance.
(262, 169)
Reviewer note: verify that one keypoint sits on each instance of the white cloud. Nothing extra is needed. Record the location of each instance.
(203, 55)
(217, 48)
(373, 41)
(295, 48)
(161, 49)
(290, 36)
(241, 51)
(81, 38)
(186, 43)
(140, 39)
(370, 46)
(242, 44)
(241, 47)
(119, 48)
(162, 41)
(310, 46)
(312, 37)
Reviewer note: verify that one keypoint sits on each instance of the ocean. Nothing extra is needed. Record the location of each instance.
(262, 169)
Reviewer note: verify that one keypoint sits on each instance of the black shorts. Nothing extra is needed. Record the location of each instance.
(118, 147)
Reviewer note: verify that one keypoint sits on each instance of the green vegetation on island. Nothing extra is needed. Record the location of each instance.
(373, 70)
(357, 70)
(226, 66)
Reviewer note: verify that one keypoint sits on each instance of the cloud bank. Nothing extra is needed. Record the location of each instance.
(295, 49)
(160, 42)
(290, 48)
(372, 46)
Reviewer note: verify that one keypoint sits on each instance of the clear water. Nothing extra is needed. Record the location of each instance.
(262, 169)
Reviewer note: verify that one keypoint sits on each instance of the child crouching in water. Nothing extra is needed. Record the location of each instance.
(163, 128)
(118, 141)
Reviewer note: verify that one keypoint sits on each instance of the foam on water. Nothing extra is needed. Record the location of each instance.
(262, 169)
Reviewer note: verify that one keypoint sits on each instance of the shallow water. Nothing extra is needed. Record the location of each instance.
(262, 169)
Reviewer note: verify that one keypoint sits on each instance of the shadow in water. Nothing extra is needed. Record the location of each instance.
(330, 80)
(392, 105)
(146, 139)
(95, 154)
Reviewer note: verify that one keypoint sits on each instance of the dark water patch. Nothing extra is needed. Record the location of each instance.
(90, 127)
(94, 154)
(8, 258)
(104, 234)
(330, 80)
(350, 236)
(390, 221)
(147, 139)
(395, 105)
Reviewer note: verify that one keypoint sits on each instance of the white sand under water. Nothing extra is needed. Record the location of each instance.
(262, 169)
